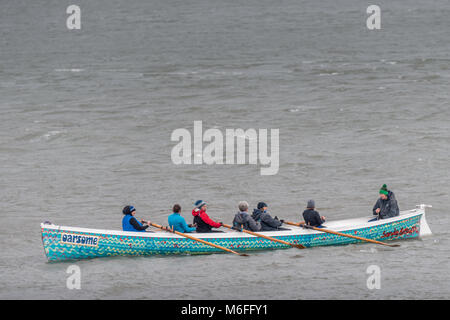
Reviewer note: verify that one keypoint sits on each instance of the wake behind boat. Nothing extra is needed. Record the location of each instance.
(72, 243)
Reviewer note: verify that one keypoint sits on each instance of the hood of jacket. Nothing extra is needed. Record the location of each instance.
(241, 217)
(257, 214)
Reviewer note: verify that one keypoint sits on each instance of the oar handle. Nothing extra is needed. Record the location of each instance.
(298, 246)
(160, 227)
(196, 239)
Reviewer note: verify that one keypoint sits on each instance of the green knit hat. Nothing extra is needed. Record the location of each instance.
(384, 190)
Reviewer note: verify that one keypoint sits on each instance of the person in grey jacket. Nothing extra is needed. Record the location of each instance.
(243, 220)
(267, 222)
(386, 206)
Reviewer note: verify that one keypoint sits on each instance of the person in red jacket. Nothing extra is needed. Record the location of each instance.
(202, 220)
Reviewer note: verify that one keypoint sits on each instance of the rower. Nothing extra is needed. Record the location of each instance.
(242, 220)
(312, 217)
(201, 219)
(130, 223)
(177, 222)
(267, 222)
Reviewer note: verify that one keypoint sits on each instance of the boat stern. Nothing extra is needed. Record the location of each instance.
(424, 227)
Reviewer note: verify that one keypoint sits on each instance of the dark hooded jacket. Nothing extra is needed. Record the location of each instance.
(267, 222)
(312, 217)
(246, 221)
(388, 208)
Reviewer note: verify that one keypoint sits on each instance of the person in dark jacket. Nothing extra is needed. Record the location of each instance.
(242, 219)
(267, 222)
(386, 205)
(311, 216)
(203, 222)
(129, 221)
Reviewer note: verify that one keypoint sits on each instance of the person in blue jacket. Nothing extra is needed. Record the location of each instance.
(130, 223)
(177, 222)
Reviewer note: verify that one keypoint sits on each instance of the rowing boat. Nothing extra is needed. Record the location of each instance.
(71, 243)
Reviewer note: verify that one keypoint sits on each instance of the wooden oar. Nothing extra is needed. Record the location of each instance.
(298, 246)
(302, 224)
(197, 239)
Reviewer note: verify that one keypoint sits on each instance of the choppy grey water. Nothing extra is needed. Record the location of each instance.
(86, 118)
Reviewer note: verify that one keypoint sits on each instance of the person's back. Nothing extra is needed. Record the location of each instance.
(177, 222)
(243, 220)
(311, 216)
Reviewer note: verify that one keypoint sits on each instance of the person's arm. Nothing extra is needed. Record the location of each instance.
(209, 221)
(318, 219)
(254, 225)
(322, 218)
(185, 227)
(136, 224)
(375, 207)
(267, 219)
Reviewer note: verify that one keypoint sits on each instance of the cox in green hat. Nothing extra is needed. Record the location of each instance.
(384, 190)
